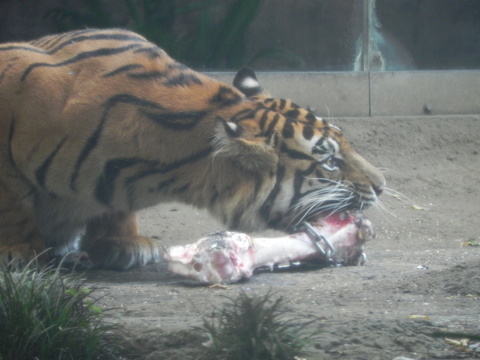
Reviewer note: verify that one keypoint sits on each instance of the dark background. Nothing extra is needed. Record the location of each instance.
(265, 34)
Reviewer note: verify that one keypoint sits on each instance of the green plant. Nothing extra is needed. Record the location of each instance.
(230, 38)
(255, 328)
(47, 315)
(214, 38)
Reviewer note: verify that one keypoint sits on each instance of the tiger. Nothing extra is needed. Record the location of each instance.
(99, 124)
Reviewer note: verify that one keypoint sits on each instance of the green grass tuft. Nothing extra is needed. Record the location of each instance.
(255, 328)
(47, 315)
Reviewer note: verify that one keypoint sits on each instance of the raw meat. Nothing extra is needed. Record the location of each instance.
(227, 257)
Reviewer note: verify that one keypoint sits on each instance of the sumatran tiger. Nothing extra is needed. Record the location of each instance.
(98, 124)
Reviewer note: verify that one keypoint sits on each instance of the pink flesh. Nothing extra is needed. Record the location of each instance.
(227, 257)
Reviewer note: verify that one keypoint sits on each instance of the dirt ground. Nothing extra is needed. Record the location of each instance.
(421, 276)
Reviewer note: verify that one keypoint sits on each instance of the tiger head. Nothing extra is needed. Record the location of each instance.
(294, 166)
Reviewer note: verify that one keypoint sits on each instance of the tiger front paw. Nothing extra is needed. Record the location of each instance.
(17, 257)
(122, 253)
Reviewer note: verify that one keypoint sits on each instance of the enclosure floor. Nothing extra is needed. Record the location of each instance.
(420, 276)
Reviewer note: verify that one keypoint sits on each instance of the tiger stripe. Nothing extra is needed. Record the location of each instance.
(182, 80)
(151, 52)
(307, 132)
(105, 186)
(122, 69)
(131, 181)
(149, 75)
(24, 48)
(11, 132)
(267, 206)
(80, 57)
(178, 121)
(42, 170)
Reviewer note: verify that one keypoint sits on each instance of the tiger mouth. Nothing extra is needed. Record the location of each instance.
(339, 237)
(317, 217)
(317, 209)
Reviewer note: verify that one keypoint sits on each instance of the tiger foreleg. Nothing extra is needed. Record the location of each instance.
(112, 242)
(20, 239)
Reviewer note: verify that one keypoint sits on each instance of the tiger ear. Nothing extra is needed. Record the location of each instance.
(241, 146)
(246, 81)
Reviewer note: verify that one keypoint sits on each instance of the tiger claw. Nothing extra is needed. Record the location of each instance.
(363, 259)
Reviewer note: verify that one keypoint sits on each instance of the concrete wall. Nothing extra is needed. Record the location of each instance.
(377, 93)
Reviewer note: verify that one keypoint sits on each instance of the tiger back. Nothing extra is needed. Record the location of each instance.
(97, 124)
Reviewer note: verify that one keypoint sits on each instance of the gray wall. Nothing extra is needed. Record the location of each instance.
(377, 93)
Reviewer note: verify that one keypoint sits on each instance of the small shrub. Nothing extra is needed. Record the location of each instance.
(47, 315)
(254, 328)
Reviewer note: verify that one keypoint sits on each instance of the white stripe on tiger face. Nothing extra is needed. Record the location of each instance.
(324, 149)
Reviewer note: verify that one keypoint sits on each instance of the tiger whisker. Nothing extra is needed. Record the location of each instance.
(332, 199)
(380, 206)
(398, 195)
(320, 197)
(384, 169)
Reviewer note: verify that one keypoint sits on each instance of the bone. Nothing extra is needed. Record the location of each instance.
(228, 257)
